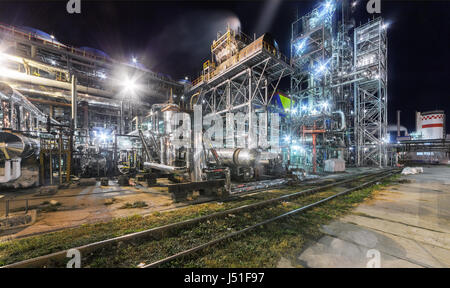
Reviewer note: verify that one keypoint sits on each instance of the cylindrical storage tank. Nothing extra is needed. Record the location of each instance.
(239, 157)
(432, 125)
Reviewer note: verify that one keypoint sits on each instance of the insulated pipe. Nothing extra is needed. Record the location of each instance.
(92, 100)
(7, 93)
(239, 157)
(266, 157)
(74, 101)
(343, 124)
(17, 146)
(22, 77)
(192, 98)
(164, 168)
(41, 66)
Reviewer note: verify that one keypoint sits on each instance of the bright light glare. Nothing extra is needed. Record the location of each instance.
(298, 148)
(53, 62)
(328, 7)
(354, 3)
(385, 26)
(300, 46)
(134, 60)
(321, 67)
(130, 85)
(103, 137)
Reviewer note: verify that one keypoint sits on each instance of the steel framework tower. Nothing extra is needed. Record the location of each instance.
(242, 78)
(370, 93)
(340, 70)
(311, 51)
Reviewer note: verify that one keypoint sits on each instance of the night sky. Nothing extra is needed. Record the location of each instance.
(174, 38)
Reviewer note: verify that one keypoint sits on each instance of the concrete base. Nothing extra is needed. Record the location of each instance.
(405, 225)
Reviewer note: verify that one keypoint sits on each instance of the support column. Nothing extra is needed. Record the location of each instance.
(251, 141)
(74, 101)
(85, 115)
(13, 116)
(198, 144)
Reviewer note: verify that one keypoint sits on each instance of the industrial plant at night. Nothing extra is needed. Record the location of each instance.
(278, 147)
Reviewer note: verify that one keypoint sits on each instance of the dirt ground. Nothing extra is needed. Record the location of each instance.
(92, 204)
(89, 204)
(404, 225)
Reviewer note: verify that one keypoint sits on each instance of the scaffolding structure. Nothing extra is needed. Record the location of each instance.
(339, 70)
(241, 78)
(311, 50)
(41, 68)
(371, 93)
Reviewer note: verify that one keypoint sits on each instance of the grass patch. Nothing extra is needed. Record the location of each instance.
(34, 246)
(286, 238)
(137, 204)
(260, 248)
(45, 206)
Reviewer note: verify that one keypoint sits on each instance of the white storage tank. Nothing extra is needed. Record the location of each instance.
(432, 124)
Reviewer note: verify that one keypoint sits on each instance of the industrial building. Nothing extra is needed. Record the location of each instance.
(66, 108)
(76, 111)
(253, 120)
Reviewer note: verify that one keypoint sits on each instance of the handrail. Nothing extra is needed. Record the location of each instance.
(34, 37)
(256, 45)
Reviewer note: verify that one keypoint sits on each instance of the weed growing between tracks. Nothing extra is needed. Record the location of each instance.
(260, 248)
(22, 249)
(284, 238)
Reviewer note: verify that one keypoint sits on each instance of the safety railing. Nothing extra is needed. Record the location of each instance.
(34, 37)
(248, 50)
(197, 81)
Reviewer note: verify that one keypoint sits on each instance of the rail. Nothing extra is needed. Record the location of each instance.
(267, 221)
(252, 48)
(161, 230)
(34, 37)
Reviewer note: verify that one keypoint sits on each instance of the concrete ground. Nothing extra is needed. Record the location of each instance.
(89, 204)
(404, 225)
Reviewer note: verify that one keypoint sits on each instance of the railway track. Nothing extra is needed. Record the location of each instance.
(198, 248)
(152, 237)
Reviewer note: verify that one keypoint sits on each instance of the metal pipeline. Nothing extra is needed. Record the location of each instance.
(164, 168)
(13, 146)
(266, 157)
(19, 76)
(239, 157)
(7, 93)
(343, 123)
(196, 95)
